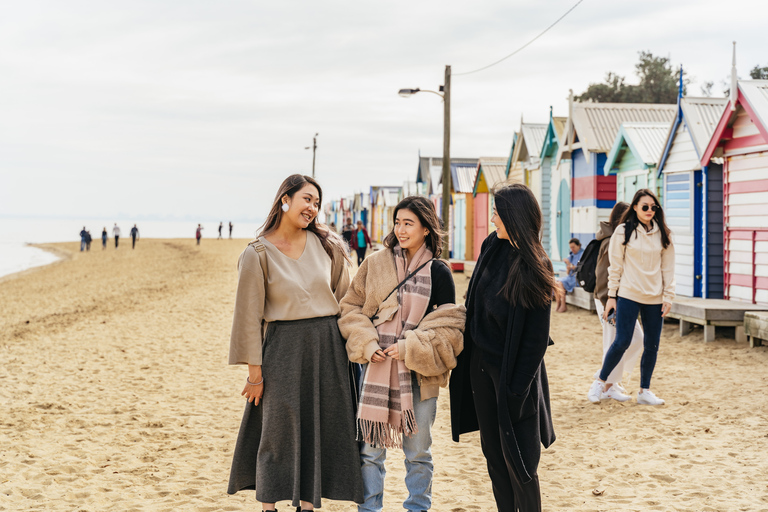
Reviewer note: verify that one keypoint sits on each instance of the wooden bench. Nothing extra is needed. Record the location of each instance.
(580, 298)
(756, 327)
(711, 313)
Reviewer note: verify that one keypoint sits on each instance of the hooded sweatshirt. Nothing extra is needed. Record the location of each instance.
(603, 262)
(641, 271)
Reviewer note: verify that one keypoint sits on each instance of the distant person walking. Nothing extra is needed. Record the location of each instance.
(199, 233)
(134, 236)
(116, 234)
(641, 279)
(230, 229)
(83, 233)
(360, 242)
(614, 389)
(88, 240)
(347, 231)
(221, 226)
(104, 237)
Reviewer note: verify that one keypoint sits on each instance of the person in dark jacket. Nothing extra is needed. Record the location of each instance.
(361, 242)
(499, 385)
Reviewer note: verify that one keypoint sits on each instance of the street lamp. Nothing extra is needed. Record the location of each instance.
(314, 150)
(446, 96)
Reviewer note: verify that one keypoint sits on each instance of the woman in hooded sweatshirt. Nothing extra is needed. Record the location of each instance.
(400, 320)
(614, 389)
(641, 279)
(500, 383)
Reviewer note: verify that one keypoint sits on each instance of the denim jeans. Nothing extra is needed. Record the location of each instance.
(418, 462)
(626, 316)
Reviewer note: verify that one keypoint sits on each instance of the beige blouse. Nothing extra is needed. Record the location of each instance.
(295, 289)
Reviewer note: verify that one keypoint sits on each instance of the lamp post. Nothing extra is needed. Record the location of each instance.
(314, 150)
(446, 96)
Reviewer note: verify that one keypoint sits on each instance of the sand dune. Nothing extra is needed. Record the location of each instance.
(115, 395)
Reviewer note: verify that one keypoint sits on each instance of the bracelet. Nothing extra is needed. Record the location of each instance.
(255, 383)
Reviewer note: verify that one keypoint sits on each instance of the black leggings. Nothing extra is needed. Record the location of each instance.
(360, 255)
(510, 492)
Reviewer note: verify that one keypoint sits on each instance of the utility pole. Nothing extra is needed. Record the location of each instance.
(446, 161)
(314, 150)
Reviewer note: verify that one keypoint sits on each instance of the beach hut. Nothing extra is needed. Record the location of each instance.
(550, 183)
(591, 131)
(634, 158)
(526, 157)
(740, 144)
(694, 212)
(489, 173)
(462, 228)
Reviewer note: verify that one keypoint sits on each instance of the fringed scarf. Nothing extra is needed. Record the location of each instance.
(386, 402)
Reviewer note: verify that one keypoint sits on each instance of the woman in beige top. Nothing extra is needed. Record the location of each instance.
(297, 436)
(641, 279)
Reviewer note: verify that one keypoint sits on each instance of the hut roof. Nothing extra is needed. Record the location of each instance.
(645, 140)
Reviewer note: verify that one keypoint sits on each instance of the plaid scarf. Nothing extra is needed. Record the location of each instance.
(386, 401)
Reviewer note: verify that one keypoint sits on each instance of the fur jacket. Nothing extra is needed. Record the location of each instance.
(430, 350)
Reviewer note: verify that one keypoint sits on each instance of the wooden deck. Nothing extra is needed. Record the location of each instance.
(711, 313)
(756, 327)
(580, 298)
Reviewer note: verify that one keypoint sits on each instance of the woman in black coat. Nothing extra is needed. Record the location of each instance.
(500, 384)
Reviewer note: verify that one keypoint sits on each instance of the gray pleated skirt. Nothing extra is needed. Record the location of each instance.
(299, 442)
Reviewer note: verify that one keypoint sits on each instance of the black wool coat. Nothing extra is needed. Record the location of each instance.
(525, 417)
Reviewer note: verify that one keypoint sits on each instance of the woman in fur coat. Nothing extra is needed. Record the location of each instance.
(400, 320)
(500, 384)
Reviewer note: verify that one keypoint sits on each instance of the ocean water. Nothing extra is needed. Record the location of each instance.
(16, 233)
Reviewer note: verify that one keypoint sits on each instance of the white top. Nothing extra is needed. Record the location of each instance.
(642, 271)
(116, 231)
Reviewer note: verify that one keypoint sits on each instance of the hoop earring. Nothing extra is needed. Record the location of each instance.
(285, 207)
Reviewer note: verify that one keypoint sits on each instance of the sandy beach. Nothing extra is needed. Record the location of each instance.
(116, 395)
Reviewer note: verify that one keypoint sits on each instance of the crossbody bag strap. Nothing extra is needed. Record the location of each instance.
(375, 315)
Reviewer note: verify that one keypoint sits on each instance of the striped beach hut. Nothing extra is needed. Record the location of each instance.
(693, 198)
(590, 134)
(463, 214)
(634, 158)
(550, 185)
(490, 172)
(527, 156)
(740, 143)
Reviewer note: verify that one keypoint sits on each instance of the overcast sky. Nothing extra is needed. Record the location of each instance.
(196, 109)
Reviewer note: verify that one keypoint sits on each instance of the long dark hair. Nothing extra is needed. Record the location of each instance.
(631, 222)
(425, 211)
(333, 244)
(617, 213)
(531, 280)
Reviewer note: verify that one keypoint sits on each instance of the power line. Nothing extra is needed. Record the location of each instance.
(525, 45)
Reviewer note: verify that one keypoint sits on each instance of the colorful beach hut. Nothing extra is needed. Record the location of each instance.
(550, 185)
(740, 143)
(693, 198)
(489, 173)
(634, 158)
(527, 156)
(590, 134)
(462, 211)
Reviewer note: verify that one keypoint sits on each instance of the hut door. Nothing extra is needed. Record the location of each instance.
(563, 218)
(480, 222)
(713, 241)
(459, 227)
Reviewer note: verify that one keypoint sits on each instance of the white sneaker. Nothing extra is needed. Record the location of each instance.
(646, 397)
(595, 390)
(620, 388)
(615, 394)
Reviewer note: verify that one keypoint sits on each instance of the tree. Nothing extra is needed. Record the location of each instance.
(759, 73)
(658, 84)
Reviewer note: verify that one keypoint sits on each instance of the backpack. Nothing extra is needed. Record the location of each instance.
(585, 269)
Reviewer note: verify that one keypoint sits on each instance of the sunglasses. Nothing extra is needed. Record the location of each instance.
(645, 208)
